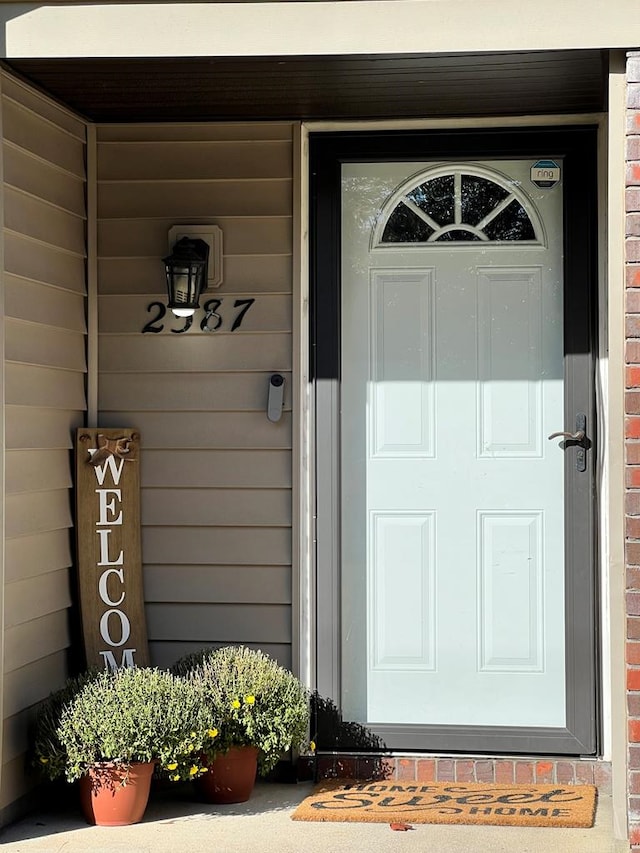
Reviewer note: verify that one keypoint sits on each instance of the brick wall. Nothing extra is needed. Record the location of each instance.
(632, 440)
(422, 767)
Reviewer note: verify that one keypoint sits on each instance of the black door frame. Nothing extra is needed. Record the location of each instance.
(575, 146)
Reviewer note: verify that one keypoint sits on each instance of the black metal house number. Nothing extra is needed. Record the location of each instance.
(212, 321)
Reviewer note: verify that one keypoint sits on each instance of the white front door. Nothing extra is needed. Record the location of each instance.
(452, 528)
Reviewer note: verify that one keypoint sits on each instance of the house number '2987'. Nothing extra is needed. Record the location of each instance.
(213, 318)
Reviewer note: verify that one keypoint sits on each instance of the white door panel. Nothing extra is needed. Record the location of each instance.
(453, 498)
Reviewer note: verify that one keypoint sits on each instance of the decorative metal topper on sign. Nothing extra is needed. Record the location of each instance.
(545, 173)
(109, 447)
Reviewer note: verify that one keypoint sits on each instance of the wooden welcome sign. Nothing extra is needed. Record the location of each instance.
(109, 549)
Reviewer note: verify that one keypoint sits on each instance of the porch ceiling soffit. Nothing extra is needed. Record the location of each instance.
(85, 29)
(326, 87)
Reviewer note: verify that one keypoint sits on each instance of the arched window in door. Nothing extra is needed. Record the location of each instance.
(466, 205)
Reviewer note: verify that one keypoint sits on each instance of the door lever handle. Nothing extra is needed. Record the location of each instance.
(578, 435)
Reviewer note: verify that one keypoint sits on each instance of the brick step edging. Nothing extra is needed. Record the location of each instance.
(424, 768)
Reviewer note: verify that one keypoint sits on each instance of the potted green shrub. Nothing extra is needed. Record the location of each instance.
(118, 727)
(48, 755)
(260, 709)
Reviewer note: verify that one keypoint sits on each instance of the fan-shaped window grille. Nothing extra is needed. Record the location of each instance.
(460, 206)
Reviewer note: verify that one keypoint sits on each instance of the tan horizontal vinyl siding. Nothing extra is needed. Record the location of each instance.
(230, 391)
(28, 471)
(33, 556)
(154, 354)
(165, 653)
(217, 468)
(216, 473)
(43, 151)
(144, 160)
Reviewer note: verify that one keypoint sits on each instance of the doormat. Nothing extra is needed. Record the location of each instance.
(450, 802)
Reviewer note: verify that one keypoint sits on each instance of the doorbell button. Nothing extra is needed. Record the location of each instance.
(276, 397)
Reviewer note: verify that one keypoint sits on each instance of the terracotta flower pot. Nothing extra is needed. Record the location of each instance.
(230, 776)
(112, 795)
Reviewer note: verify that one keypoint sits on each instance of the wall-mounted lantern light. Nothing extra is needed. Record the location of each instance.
(194, 264)
(186, 269)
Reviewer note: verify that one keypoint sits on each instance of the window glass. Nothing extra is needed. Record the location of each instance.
(457, 235)
(405, 226)
(511, 224)
(463, 200)
(436, 198)
(479, 197)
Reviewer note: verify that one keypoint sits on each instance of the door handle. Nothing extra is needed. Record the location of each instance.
(580, 437)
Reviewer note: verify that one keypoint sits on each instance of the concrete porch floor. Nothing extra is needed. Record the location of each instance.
(176, 823)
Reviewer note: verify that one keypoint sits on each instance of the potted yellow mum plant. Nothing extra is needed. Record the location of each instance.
(122, 725)
(259, 709)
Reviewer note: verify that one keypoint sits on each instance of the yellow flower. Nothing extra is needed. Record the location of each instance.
(193, 734)
(189, 747)
(249, 699)
(235, 703)
(193, 771)
(172, 766)
(213, 732)
(44, 760)
(175, 778)
(312, 745)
